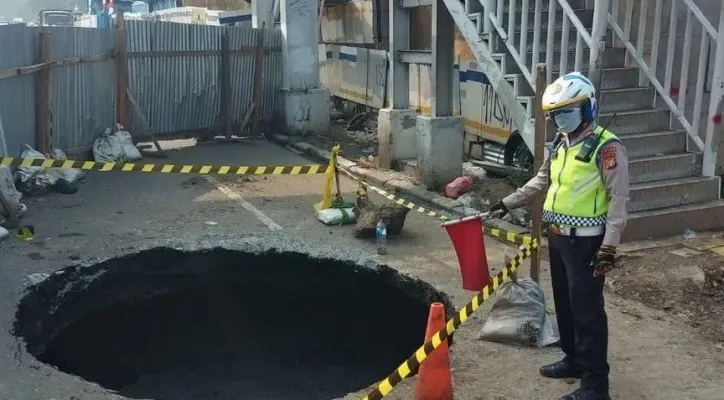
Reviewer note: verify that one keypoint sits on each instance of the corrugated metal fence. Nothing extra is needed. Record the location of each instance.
(18, 46)
(174, 73)
(83, 94)
(82, 88)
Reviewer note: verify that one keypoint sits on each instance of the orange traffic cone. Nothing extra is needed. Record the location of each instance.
(433, 378)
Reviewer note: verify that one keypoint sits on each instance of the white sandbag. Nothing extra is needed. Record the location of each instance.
(32, 180)
(9, 193)
(71, 175)
(519, 316)
(336, 216)
(35, 181)
(115, 147)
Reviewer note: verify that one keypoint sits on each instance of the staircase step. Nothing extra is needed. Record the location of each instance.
(658, 168)
(674, 192)
(557, 35)
(637, 98)
(674, 220)
(612, 58)
(520, 86)
(654, 143)
(637, 121)
(613, 78)
(618, 78)
(585, 16)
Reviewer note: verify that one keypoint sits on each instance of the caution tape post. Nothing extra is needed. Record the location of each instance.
(414, 361)
(527, 246)
(502, 234)
(166, 168)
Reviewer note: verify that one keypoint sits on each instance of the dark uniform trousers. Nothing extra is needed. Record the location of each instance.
(578, 297)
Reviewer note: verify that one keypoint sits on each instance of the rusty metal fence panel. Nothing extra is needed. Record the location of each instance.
(242, 43)
(83, 92)
(175, 74)
(18, 46)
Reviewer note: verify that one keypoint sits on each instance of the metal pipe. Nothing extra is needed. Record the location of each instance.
(716, 105)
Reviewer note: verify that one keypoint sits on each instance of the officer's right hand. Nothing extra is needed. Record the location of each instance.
(498, 210)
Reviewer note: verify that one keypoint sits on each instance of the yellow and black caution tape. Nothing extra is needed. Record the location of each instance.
(413, 362)
(166, 168)
(495, 232)
(527, 246)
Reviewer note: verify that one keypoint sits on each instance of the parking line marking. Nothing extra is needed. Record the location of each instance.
(242, 202)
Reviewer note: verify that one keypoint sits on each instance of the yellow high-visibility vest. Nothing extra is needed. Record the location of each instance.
(577, 195)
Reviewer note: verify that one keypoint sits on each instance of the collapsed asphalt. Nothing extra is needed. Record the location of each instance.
(222, 324)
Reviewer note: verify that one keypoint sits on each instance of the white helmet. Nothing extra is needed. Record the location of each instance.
(572, 89)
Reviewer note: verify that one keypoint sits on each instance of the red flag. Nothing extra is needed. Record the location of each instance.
(467, 238)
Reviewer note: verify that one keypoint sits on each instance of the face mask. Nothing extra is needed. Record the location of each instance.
(567, 119)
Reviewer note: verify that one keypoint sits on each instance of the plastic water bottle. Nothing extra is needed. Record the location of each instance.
(381, 237)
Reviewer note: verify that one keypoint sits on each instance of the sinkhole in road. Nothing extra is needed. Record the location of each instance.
(223, 324)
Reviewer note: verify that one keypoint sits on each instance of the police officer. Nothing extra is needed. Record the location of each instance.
(586, 210)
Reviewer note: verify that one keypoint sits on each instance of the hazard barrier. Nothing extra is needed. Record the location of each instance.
(527, 246)
(414, 361)
(167, 168)
(495, 232)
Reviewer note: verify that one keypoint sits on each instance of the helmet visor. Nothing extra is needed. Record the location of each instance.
(568, 118)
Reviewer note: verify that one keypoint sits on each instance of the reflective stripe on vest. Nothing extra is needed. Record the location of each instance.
(577, 195)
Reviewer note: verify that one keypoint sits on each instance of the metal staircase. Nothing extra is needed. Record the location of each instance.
(672, 149)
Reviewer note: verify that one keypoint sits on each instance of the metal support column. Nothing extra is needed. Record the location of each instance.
(399, 42)
(443, 60)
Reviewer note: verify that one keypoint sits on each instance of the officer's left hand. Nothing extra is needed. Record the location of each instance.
(604, 261)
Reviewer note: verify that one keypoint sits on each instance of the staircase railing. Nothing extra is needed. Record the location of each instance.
(674, 94)
(494, 13)
(487, 65)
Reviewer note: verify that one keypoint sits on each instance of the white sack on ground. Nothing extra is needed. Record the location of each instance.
(115, 147)
(519, 316)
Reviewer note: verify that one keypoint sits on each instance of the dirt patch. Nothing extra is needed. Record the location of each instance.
(688, 284)
(488, 191)
(355, 144)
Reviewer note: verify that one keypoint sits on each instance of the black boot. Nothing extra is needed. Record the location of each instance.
(561, 369)
(586, 394)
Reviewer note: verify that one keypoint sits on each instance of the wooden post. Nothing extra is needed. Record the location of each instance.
(123, 114)
(538, 156)
(258, 74)
(225, 90)
(146, 126)
(43, 100)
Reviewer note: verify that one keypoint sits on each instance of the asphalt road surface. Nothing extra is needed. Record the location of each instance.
(118, 213)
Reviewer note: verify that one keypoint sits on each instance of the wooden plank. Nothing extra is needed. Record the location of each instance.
(31, 69)
(225, 89)
(538, 156)
(123, 114)
(146, 126)
(43, 104)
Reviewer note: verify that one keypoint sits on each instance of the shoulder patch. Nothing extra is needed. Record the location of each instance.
(608, 158)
